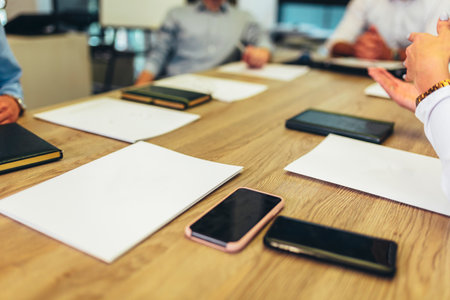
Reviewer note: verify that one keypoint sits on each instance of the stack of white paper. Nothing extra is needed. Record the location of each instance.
(270, 71)
(109, 205)
(221, 89)
(118, 119)
(376, 90)
(390, 173)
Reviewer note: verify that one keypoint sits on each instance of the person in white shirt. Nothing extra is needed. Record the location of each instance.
(378, 29)
(427, 63)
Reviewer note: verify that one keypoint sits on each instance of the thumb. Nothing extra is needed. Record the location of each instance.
(443, 24)
(373, 29)
(412, 36)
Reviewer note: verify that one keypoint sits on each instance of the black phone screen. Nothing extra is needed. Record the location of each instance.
(321, 122)
(232, 218)
(346, 247)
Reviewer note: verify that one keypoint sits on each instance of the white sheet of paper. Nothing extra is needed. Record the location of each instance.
(394, 174)
(366, 63)
(118, 119)
(106, 207)
(271, 71)
(376, 90)
(221, 89)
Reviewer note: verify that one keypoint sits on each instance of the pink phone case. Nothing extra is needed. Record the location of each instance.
(239, 245)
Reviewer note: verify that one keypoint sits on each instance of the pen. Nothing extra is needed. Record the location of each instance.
(240, 46)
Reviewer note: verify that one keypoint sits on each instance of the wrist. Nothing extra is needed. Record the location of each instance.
(18, 101)
(437, 73)
(435, 87)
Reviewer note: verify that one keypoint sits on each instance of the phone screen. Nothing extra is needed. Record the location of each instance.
(332, 244)
(232, 218)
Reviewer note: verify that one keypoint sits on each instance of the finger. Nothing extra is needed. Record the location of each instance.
(443, 23)
(385, 81)
(3, 107)
(389, 75)
(246, 56)
(373, 29)
(375, 73)
(255, 63)
(413, 36)
(408, 77)
(3, 117)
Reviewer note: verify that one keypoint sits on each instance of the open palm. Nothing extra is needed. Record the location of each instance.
(400, 91)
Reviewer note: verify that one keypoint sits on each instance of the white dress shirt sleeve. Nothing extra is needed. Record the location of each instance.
(352, 24)
(434, 112)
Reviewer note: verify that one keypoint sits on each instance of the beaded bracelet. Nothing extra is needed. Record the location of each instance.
(435, 87)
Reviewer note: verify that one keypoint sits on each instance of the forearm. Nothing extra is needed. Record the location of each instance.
(342, 49)
(436, 72)
(165, 43)
(158, 56)
(11, 73)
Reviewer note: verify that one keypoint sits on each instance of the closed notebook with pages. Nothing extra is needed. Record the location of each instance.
(165, 96)
(20, 148)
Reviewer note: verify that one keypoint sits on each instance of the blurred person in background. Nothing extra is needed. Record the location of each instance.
(204, 35)
(379, 29)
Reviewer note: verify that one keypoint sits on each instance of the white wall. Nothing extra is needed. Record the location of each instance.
(17, 7)
(265, 11)
(135, 13)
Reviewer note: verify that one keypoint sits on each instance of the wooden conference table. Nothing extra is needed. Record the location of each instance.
(249, 133)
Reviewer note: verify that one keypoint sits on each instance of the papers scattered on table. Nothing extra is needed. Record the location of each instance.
(398, 175)
(271, 71)
(118, 119)
(376, 90)
(106, 207)
(221, 89)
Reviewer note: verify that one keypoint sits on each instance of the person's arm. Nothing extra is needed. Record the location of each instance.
(164, 44)
(348, 30)
(369, 45)
(352, 38)
(10, 88)
(427, 63)
(434, 112)
(258, 50)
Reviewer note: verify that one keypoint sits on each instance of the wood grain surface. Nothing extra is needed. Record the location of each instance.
(249, 133)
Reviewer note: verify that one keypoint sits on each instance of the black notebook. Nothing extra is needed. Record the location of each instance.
(323, 123)
(20, 148)
(164, 96)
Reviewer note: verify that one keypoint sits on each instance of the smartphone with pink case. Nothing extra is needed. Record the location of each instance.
(234, 221)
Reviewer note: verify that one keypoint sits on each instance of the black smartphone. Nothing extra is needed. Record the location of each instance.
(231, 223)
(323, 123)
(338, 246)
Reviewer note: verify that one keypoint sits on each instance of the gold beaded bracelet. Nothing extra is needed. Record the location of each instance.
(435, 87)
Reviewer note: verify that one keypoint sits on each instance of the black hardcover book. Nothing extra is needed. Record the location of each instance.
(323, 123)
(20, 148)
(164, 96)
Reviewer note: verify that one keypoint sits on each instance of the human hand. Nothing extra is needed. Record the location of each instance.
(428, 56)
(256, 57)
(402, 92)
(144, 78)
(9, 109)
(371, 45)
